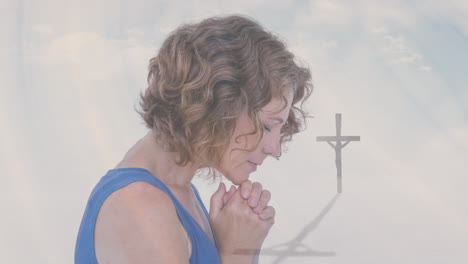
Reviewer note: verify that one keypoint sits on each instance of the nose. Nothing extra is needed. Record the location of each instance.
(272, 146)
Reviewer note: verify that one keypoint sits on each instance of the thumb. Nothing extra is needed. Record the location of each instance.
(216, 201)
(229, 194)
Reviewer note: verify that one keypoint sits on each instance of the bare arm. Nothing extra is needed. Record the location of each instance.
(139, 224)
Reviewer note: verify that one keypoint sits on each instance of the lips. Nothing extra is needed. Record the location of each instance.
(254, 165)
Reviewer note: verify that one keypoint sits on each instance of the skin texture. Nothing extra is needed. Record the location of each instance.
(241, 218)
(236, 164)
(139, 224)
(239, 231)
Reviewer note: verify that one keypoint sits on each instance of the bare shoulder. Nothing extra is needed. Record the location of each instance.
(139, 224)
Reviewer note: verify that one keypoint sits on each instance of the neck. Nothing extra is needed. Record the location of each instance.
(148, 154)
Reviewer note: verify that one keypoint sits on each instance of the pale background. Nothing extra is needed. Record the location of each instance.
(71, 71)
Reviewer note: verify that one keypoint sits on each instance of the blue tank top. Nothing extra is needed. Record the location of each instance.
(203, 250)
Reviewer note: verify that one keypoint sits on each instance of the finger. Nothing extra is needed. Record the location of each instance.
(236, 201)
(216, 201)
(268, 213)
(255, 194)
(246, 187)
(263, 201)
(229, 194)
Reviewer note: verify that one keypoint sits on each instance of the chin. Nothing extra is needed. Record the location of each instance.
(237, 178)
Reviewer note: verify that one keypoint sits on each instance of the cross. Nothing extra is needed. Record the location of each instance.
(338, 147)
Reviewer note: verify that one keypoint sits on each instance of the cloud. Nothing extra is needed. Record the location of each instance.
(330, 44)
(71, 120)
(373, 14)
(397, 49)
(43, 29)
(451, 12)
(326, 13)
(405, 177)
(425, 68)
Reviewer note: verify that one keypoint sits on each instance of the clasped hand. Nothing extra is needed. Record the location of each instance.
(241, 218)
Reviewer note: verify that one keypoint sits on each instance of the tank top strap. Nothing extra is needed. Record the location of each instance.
(112, 181)
(125, 176)
(197, 194)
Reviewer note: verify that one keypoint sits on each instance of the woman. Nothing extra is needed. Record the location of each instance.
(222, 96)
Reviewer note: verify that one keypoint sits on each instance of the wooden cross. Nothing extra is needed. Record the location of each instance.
(338, 146)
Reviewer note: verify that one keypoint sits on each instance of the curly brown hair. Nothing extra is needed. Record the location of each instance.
(206, 73)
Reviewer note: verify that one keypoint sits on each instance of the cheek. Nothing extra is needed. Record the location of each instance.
(239, 153)
(235, 167)
(234, 160)
(246, 142)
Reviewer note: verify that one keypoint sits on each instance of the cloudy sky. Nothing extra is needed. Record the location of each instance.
(71, 72)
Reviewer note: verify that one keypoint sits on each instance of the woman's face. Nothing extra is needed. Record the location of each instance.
(237, 164)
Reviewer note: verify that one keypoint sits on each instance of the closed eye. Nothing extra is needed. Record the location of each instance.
(267, 128)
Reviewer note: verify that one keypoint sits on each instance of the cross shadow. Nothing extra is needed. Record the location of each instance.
(295, 247)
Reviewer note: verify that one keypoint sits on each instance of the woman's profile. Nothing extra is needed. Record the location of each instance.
(223, 95)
